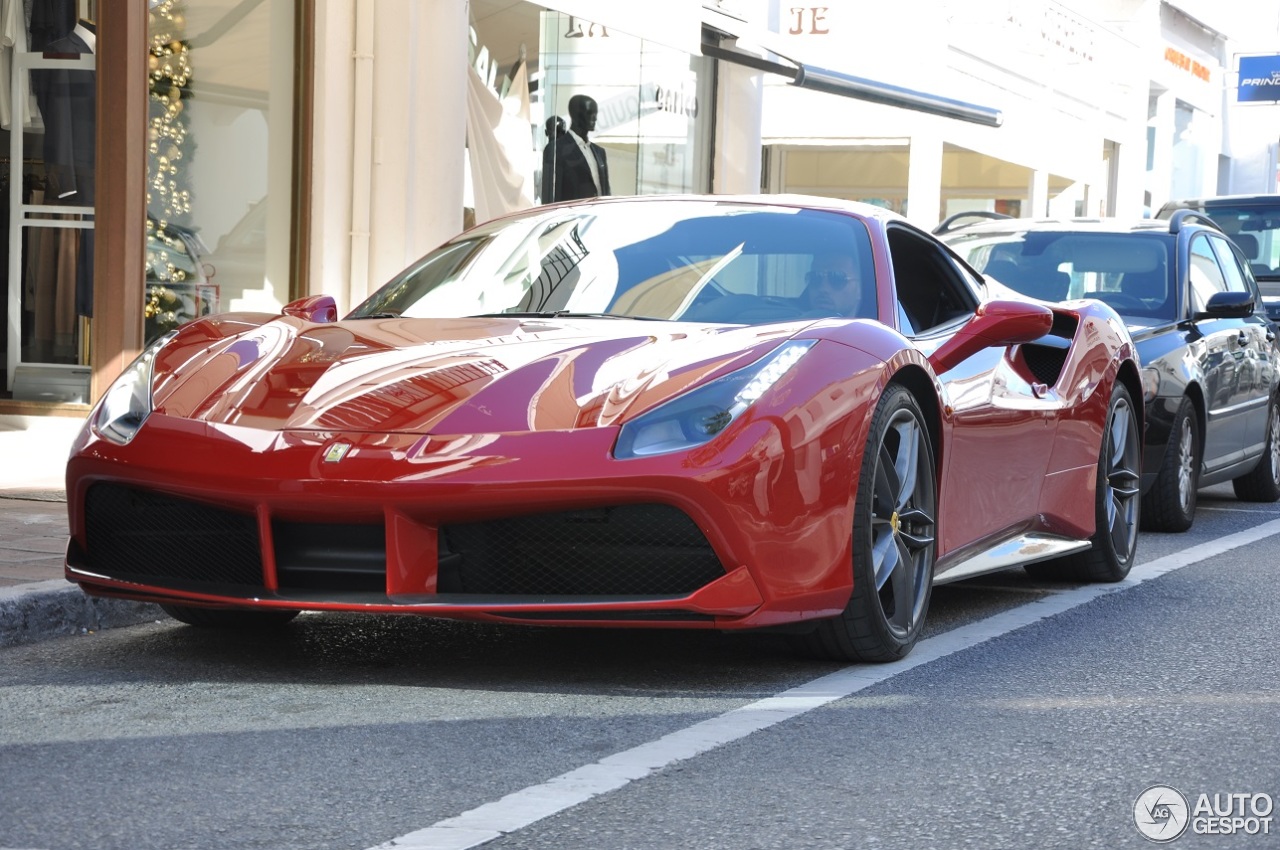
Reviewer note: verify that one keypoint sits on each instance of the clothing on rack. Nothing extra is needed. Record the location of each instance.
(15, 21)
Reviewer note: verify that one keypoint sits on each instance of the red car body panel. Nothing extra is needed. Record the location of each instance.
(449, 421)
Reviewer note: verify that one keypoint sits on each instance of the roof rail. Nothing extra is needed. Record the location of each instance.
(1181, 217)
(959, 220)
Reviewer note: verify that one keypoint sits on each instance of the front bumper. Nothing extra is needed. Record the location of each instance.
(540, 527)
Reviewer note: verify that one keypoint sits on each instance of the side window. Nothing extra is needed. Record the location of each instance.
(1206, 275)
(1231, 265)
(930, 286)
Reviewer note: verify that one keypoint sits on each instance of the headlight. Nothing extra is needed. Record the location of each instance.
(127, 402)
(700, 414)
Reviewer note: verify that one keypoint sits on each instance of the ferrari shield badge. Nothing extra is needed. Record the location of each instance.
(336, 452)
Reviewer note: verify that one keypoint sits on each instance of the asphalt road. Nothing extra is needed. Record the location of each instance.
(1034, 715)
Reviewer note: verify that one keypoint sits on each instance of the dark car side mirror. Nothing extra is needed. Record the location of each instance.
(1228, 305)
(315, 308)
(996, 323)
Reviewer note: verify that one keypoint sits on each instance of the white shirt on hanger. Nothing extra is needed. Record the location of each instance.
(13, 39)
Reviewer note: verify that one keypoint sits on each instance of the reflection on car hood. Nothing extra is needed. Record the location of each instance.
(446, 376)
(1138, 324)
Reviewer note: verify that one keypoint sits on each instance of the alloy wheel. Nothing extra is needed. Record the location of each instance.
(902, 522)
(1122, 478)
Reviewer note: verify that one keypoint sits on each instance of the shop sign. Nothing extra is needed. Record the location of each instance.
(1259, 79)
(808, 20)
(1178, 59)
(675, 23)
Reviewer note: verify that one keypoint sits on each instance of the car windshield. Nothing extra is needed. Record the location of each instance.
(1256, 229)
(1129, 271)
(691, 261)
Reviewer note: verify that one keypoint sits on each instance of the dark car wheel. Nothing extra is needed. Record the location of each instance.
(895, 512)
(1170, 504)
(1263, 483)
(1116, 506)
(228, 618)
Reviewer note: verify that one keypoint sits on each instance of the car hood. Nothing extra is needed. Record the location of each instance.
(444, 376)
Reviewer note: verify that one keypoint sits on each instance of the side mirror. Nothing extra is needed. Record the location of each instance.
(996, 323)
(316, 308)
(1228, 305)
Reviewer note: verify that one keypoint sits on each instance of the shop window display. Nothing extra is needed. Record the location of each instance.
(218, 176)
(628, 106)
(48, 93)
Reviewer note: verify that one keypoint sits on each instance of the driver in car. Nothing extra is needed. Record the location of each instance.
(832, 285)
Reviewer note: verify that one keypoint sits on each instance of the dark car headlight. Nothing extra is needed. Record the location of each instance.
(700, 414)
(127, 402)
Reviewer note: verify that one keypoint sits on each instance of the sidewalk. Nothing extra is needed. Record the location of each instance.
(36, 601)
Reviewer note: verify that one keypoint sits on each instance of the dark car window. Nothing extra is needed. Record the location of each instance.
(932, 288)
(1206, 275)
(728, 263)
(1133, 272)
(1253, 225)
(1232, 270)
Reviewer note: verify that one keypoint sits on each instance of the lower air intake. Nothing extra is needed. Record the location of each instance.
(627, 550)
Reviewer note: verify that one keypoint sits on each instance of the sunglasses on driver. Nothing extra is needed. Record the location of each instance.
(833, 279)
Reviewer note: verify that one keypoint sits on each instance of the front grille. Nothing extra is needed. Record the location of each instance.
(136, 534)
(627, 550)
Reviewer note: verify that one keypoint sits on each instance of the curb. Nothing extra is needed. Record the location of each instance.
(57, 608)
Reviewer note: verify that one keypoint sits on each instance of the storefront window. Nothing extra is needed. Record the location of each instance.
(537, 74)
(47, 111)
(219, 158)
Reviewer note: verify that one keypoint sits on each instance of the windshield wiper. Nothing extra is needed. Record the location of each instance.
(388, 314)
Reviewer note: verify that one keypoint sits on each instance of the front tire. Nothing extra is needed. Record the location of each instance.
(228, 618)
(1116, 503)
(893, 536)
(1262, 484)
(1170, 505)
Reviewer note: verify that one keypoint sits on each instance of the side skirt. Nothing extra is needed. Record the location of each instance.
(1015, 552)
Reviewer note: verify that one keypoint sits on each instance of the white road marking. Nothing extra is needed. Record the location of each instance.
(1259, 511)
(529, 805)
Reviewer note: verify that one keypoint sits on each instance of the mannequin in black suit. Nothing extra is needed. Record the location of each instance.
(566, 174)
(553, 129)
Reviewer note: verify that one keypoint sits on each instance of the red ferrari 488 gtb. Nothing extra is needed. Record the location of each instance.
(677, 412)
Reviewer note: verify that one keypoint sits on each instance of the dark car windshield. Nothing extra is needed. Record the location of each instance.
(694, 261)
(1133, 272)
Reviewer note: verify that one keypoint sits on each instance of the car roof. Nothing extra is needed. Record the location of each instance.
(1049, 225)
(815, 202)
(1221, 200)
(1180, 220)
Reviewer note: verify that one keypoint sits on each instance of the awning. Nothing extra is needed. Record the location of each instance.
(730, 39)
